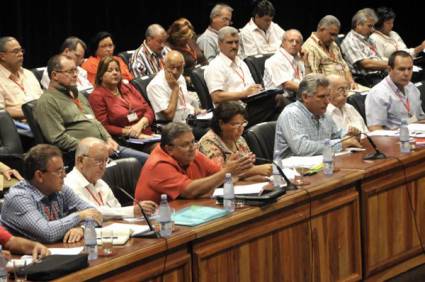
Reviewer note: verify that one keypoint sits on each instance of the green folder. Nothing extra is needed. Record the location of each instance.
(195, 215)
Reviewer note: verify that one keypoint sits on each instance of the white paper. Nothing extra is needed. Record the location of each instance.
(306, 161)
(131, 228)
(243, 189)
(416, 68)
(383, 133)
(66, 251)
(205, 116)
(24, 260)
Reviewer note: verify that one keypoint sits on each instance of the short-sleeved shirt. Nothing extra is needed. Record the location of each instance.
(83, 84)
(144, 61)
(161, 174)
(388, 44)
(386, 105)
(15, 93)
(4, 236)
(255, 41)
(346, 116)
(208, 43)
(283, 67)
(159, 93)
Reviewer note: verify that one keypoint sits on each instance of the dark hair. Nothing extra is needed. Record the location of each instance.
(37, 158)
(54, 64)
(103, 67)
(94, 44)
(71, 43)
(225, 112)
(394, 55)
(173, 130)
(264, 8)
(384, 14)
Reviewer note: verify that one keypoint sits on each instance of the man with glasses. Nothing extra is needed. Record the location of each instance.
(220, 16)
(303, 126)
(178, 169)
(17, 84)
(73, 48)
(345, 116)
(85, 180)
(41, 207)
(65, 116)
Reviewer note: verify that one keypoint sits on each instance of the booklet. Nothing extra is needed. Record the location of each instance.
(195, 215)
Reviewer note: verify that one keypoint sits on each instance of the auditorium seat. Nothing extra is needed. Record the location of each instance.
(38, 72)
(256, 66)
(357, 100)
(198, 81)
(126, 56)
(10, 144)
(260, 139)
(141, 84)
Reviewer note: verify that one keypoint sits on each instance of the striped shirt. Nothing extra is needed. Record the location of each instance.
(146, 62)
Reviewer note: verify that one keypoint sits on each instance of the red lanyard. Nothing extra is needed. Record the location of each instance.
(295, 66)
(100, 203)
(241, 74)
(400, 96)
(182, 99)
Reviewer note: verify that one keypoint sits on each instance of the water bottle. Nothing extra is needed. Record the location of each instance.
(228, 193)
(166, 225)
(3, 263)
(90, 241)
(404, 137)
(328, 158)
(277, 178)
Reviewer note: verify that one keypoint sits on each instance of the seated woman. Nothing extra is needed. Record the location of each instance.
(118, 105)
(102, 46)
(225, 137)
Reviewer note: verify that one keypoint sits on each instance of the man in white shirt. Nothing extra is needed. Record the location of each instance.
(345, 116)
(261, 35)
(168, 93)
(285, 68)
(228, 79)
(73, 48)
(17, 84)
(85, 180)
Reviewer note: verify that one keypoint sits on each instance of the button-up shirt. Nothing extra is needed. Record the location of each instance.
(83, 84)
(208, 43)
(388, 44)
(29, 213)
(144, 61)
(300, 133)
(346, 116)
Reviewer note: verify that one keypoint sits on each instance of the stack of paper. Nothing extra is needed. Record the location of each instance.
(122, 232)
(195, 215)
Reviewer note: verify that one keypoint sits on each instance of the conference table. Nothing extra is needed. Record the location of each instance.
(365, 222)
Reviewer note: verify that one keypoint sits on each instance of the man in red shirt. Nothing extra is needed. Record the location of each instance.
(178, 169)
(22, 246)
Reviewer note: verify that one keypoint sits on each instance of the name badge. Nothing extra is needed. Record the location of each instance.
(132, 117)
(89, 116)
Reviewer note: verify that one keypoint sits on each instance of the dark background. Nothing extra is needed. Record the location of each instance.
(41, 26)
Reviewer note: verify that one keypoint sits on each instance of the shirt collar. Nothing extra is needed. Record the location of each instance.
(228, 62)
(38, 195)
(79, 178)
(254, 26)
(152, 53)
(6, 73)
(307, 112)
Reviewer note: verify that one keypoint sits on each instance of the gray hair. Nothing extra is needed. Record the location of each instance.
(225, 31)
(172, 131)
(3, 42)
(292, 30)
(217, 10)
(71, 43)
(310, 83)
(85, 144)
(362, 16)
(328, 21)
(154, 30)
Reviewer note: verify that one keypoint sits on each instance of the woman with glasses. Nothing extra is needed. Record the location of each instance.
(118, 105)
(102, 46)
(225, 137)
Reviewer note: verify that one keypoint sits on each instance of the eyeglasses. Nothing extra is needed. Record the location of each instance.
(342, 90)
(70, 71)
(58, 172)
(293, 41)
(187, 146)
(97, 161)
(104, 46)
(16, 51)
(238, 124)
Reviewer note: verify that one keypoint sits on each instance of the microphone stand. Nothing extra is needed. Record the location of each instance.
(289, 185)
(377, 155)
(148, 234)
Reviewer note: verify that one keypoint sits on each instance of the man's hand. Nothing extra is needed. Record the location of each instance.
(9, 173)
(171, 80)
(351, 142)
(148, 207)
(237, 165)
(93, 213)
(73, 235)
(112, 146)
(252, 90)
(39, 251)
(354, 132)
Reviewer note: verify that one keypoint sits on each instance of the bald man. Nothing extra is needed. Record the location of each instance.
(168, 93)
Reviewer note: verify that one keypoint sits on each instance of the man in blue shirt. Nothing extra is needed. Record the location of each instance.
(41, 207)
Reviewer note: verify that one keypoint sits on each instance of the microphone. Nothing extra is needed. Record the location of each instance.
(376, 155)
(149, 234)
(289, 185)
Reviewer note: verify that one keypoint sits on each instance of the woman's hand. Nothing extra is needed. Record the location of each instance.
(136, 129)
(9, 173)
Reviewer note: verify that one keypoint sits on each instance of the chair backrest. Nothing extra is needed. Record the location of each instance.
(38, 72)
(260, 139)
(339, 39)
(141, 84)
(256, 66)
(198, 81)
(10, 143)
(124, 174)
(421, 87)
(357, 100)
(28, 109)
(126, 56)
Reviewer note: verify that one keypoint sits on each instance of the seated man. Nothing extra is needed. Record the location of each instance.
(345, 116)
(360, 51)
(395, 97)
(322, 54)
(178, 169)
(302, 126)
(285, 69)
(17, 85)
(73, 48)
(18, 245)
(228, 79)
(261, 35)
(168, 93)
(220, 16)
(65, 116)
(148, 58)
(41, 207)
(85, 180)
